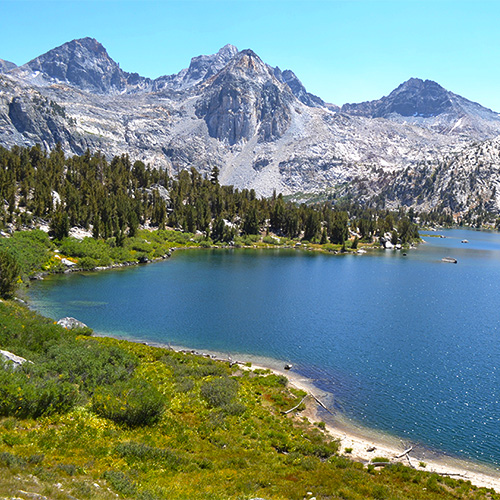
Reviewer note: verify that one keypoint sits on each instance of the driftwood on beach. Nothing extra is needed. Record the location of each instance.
(404, 452)
(322, 404)
(295, 407)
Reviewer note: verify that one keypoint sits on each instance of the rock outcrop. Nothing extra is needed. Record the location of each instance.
(245, 100)
(70, 323)
(12, 360)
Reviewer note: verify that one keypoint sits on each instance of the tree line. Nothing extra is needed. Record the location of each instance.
(113, 198)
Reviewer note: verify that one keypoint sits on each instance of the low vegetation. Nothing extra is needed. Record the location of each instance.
(88, 418)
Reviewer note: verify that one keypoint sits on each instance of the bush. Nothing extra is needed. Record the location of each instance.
(90, 363)
(219, 392)
(87, 263)
(134, 403)
(24, 397)
(132, 450)
(120, 482)
(9, 274)
(29, 248)
(272, 380)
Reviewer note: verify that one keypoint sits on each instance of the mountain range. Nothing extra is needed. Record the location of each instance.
(257, 123)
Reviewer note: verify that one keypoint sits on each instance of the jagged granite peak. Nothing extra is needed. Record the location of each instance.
(83, 63)
(245, 100)
(427, 104)
(414, 97)
(200, 69)
(6, 66)
(296, 86)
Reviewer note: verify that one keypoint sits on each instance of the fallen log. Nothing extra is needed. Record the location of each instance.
(409, 461)
(404, 452)
(295, 407)
(321, 404)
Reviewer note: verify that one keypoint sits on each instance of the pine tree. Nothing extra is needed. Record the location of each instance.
(9, 274)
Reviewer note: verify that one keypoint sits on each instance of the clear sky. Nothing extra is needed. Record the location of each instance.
(342, 50)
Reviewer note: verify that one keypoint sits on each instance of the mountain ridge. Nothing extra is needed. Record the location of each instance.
(257, 123)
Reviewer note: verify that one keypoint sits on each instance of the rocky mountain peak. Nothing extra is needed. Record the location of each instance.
(413, 98)
(6, 66)
(417, 97)
(228, 51)
(299, 91)
(249, 62)
(244, 100)
(200, 69)
(83, 63)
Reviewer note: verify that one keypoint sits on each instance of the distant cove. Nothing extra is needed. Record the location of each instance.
(408, 345)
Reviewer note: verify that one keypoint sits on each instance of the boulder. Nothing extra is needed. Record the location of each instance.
(70, 323)
(12, 359)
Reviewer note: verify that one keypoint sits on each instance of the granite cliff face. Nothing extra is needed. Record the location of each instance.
(258, 124)
(245, 100)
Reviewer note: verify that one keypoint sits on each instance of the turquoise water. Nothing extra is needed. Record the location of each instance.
(406, 344)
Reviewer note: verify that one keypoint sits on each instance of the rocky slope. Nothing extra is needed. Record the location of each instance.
(467, 181)
(6, 66)
(427, 104)
(258, 124)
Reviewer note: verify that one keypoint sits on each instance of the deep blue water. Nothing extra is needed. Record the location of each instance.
(408, 345)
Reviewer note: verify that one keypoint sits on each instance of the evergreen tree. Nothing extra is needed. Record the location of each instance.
(338, 229)
(9, 274)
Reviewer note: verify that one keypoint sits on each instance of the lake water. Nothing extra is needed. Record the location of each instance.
(405, 344)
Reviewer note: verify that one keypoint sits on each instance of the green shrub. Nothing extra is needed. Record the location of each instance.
(120, 482)
(24, 397)
(134, 403)
(380, 492)
(132, 450)
(219, 392)
(29, 248)
(190, 366)
(206, 243)
(270, 240)
(90, 363)
(234, 408)
(9, 274)
(87, 263)
(12, 461)
(272, 380)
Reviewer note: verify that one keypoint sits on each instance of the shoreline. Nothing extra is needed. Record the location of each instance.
(365, 443)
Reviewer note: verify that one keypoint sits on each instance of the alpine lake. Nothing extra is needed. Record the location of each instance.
(405, 344)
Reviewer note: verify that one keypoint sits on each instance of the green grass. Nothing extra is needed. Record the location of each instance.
(150, 423)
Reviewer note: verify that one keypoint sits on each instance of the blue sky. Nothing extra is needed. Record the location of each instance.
(342, 50)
